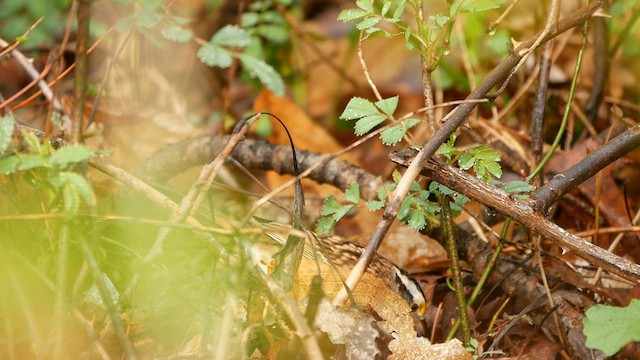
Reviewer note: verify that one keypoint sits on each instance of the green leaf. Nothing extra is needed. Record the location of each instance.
(146, 18)
(7, 125)
(249, 19)
(374, 205)
(325, 225)
(388, 106)
(344, 209)
(231, 35)
(517, 186)
(369, 122)
(212, 55)
(382, 193)
(473, 6)
(484, 153)
(9, 164)
(331, 206)
(70, 154)
(405, 207)
(393, 135)
(365, 5)
(610, 328)
(411, 122)
(367, 23)
(267, 75)
(357, 108)
(417, 220)
(440, 20)
(33, 143)
(448, 151)
(81, 184)
(29, 162)
(492, 166)
(275, 33)
(385, 8)
(466, 161)
(71, 198)
(399, 10)
(177, 33)
(352, 194)
(351, 14)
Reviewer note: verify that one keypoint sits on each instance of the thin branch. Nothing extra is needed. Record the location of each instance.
(442, 134)
(561, 184)
(80, 74)
(522, 212)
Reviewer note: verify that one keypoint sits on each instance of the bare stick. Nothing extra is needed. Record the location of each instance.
(522, 212)
(442, 134)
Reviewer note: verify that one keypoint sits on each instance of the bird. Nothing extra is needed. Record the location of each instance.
(339, 253)
(334, 256)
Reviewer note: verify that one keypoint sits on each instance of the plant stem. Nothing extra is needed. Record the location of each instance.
(456, 271)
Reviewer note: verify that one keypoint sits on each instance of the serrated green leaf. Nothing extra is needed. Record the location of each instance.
(396, 176)
(275, 33)
(9, 164)
(177, 33)
(70, 154)
(388, 106)
(517, 186)
(382, 193)
(146, 18)
(393, 135)
(265, 73)
(325, 225)
(33, 143)
(417, 220)
(344, 209)
(399, 10)
(71, 199)
(484, 153)
(610, 328)
(367, 23)
(491, 166)
(375, 205)
(411, 122)
(367, 123)
(231, 35)
(272, 17)
(7, 125)
(405, 207)
(448, 150)
(352, 194)
(351, 14)
(212, 55)
(357, 108)
(81, 184)
(473, 6)
(331, 206)
(466, 161)
(385, 8)
(415, 187)
(365, 5)
(248, 19)
(28, 162)
(440, 20)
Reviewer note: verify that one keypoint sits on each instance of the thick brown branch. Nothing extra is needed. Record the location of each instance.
(522, 212)
(257, 155)
(550, 192)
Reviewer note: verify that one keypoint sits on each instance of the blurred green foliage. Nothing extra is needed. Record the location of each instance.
(17, 16)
